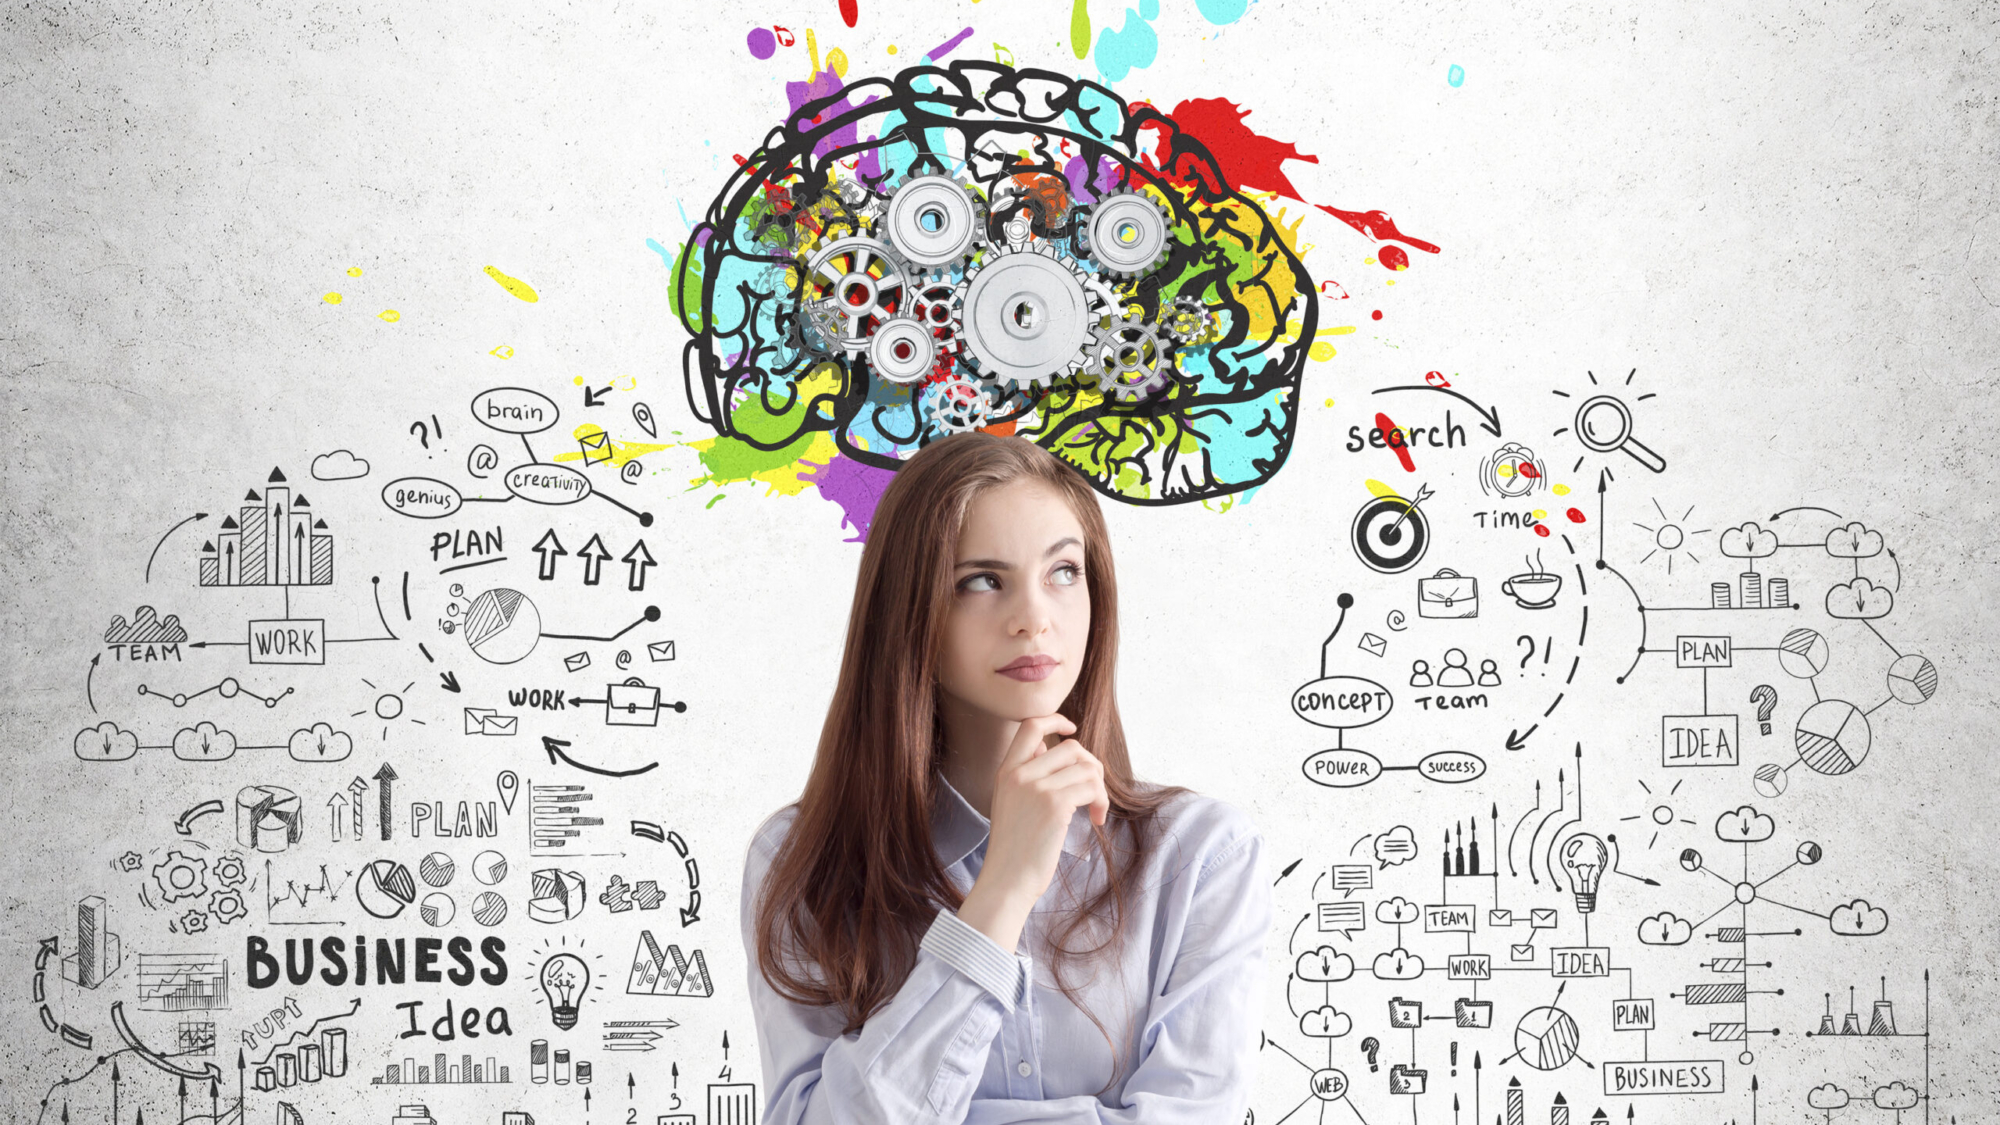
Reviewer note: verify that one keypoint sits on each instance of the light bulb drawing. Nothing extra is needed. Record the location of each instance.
(1584, 858)
(564, 979)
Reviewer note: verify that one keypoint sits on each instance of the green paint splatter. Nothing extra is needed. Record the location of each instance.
(714, 502)
(1079, 28)
(733, 459)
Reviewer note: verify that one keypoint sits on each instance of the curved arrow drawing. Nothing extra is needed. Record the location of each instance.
(184, 823)
(554, 745)
(1490, 419)
(163, 540)
(210, 1071)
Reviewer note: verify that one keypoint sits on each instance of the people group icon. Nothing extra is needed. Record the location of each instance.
(1454, 673)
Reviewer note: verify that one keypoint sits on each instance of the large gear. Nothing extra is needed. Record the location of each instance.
(902, 350)
(958, 404)
(851, 286)
(934, 220)
(1026, 316)
(180, 876)
(1127, 233)
(1130, 360)
(1188, 321)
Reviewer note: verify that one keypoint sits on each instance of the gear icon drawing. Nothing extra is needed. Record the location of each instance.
(1130, 360)
(227, 906)
(958, 405)
(194, 922)
(228, 871)
(180, 876)
(130, 861)
(934, 220)
(1187, 321)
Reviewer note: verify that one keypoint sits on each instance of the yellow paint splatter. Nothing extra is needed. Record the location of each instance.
(389, 316)
(1377, 488)
(331, 298)
(576, 382)
(1367, 261)
(1503, 470)
(503, 351)
(892, 48)
(812, 45)
(836, 61)
(1541, 514)
(1342, 330)
(621, 451)
(1329, 402)
(1321, 352)
(1391, 281)
(513, 285)
(354, 271)
(1562, 490)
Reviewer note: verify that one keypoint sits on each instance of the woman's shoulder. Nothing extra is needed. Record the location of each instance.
(770, 836)
(1196, 830)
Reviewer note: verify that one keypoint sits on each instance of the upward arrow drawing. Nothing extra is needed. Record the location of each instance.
(640, 558)
(383, 777)
(594, 557)
(549, 547)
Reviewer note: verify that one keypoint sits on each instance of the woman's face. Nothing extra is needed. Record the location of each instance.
(1020, 612)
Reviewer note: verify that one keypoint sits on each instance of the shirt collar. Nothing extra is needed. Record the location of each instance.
(957, 828)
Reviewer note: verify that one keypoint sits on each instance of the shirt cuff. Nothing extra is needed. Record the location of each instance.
(955, 942)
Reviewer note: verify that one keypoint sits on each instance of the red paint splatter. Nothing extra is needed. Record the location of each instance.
(849, 11)
(1376, 225)
(1247, 159)
(1542, 530)
(1575, 516)
(1377, 314)
(1529, 472)
(1393, 258)
(1394, 437)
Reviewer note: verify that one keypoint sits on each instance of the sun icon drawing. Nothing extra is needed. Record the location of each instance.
(1671, 536)
(1661, 813)
(388, 706)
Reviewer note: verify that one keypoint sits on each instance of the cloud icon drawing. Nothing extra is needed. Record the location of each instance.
(1853, 542)
(1665, 928)
(1859, 600)
(105, 743)
(1828, 1096)
(1396, 911)
(1398, 964)
(1749, 542)
(1397, 845)
(204, 743)
(1895, 1096)
(1744, 825)
(338, 465)
(320, 744)
(1324, 964)
(1324, 1022)
(1858, 919)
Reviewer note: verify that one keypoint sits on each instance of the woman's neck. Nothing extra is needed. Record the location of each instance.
(975, 742)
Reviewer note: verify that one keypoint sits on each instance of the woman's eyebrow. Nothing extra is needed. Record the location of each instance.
(998, 564)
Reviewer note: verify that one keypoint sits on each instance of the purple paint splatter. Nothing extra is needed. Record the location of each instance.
(762, 43)
(856, 487)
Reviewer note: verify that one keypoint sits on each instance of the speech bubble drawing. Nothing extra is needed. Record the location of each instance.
(1397, 845)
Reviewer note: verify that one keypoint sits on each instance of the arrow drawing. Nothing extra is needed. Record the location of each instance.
(554, 748)
(1489, 419)
(163, 539)
(184, 823)
(383, 777)
(549, 547)
(594, 557)
(640, 558)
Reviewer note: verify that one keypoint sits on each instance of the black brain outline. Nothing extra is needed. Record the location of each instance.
(745, 243)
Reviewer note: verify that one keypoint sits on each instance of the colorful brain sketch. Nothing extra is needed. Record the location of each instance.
(976, 246)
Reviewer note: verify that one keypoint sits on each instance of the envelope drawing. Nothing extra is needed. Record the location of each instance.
(1498, 917)
(577, 662)
(1521, 952)
(1542, 918)
(502, 725)
(596, 448)
(475, 718)
(1373, 645)
(660, 650)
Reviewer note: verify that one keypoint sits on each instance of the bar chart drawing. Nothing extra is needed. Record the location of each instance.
(557, 818)
(272, 540)
(96, 954)
(325, 1057)
(197, 982)
(442, 1071)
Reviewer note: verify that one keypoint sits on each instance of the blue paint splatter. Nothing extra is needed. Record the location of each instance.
(1132, 47)
(1222, 11)
(666, 257)
(1456, 75)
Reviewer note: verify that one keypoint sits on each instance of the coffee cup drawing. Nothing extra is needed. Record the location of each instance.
(1534, 590)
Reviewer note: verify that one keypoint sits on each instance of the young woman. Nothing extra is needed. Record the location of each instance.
(975, 913)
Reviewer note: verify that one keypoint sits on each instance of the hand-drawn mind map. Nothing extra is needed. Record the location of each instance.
(984, 247)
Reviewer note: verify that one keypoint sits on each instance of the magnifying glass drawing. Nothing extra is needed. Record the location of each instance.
(1604, 424)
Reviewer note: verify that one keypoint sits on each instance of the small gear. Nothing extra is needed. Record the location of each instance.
(1130, 360)
(932, 304)
(194, 922)
(1188, 321)
(228, 870)
(130, 861)
(933, 220)
(850, 286)
(227, 906)
(902, 350)
(958, 404)
(1127, 233)
(1026, 315)
(180, 876)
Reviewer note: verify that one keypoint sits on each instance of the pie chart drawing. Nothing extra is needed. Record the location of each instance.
(1832, 737)
(1546, 1038)
(502, 626)
(1803, 653)
(1913, 679)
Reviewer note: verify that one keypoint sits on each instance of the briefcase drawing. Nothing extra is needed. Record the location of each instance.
(633, 703)
(1447, 594)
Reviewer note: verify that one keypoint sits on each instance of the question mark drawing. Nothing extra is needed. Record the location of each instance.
(1766, 698)
(424, 435)
(1531, 649)
(1368, 1047)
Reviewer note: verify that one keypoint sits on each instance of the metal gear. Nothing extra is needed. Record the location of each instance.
(934, 220)
(850, 286)
(227, 906)
(932, 303)
(958, 404)
(1188, 321)
(180, 876)
(1127, 233)
(1130, 360)
(902, 350)
(1026, 316)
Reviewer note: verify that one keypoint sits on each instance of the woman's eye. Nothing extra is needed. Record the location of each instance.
(1068, 574)
(979, 583)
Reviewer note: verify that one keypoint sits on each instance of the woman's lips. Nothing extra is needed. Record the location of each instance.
(1030, 669)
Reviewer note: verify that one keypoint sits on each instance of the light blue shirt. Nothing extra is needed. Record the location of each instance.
(980, 1035)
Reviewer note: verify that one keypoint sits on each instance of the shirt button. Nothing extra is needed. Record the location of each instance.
(1024, 1069)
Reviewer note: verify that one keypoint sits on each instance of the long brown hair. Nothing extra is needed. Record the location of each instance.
(857, 880)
